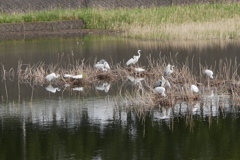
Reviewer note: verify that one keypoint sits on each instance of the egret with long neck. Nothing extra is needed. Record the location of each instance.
(134, 59)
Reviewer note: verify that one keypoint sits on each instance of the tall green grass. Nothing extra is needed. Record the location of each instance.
(196, 21)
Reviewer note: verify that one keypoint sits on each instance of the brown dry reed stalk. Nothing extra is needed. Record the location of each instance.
(226, 78)
(225, 82)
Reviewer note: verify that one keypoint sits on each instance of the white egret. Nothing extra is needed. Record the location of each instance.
(138, 56)
(194, 88)
(51, 76)
(102, 64)
(50, 88)
(77, 76)
(168, 70)
(209, 73)
(160, 90)
(131, 61)
(134, 59)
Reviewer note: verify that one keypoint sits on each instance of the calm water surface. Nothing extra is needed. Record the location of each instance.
(88, 124)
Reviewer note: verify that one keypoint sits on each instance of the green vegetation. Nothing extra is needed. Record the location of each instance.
(182, 22)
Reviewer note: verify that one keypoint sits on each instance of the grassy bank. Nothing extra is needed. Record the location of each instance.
(183, 22)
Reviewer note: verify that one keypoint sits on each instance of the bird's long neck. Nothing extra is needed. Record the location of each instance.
(139, 54)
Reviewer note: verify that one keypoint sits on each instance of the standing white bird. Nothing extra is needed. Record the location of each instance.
(194, 88)
(209, 73)
(134, 59)
(102, 64)
(168, 70)
(138, 56)
(51, 76)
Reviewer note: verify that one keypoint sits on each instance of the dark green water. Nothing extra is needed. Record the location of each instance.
(92, 129)
(89, 125)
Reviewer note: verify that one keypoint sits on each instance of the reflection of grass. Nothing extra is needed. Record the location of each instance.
(197, 21)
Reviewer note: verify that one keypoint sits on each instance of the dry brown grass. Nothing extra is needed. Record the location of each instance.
(222, 29)
(226, 80)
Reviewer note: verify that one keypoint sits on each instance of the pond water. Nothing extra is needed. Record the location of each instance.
(90, 124)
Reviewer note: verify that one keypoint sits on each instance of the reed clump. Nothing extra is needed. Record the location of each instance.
(137, 89)
(225, 82)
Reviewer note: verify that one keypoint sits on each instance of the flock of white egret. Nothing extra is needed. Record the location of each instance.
(159, 86)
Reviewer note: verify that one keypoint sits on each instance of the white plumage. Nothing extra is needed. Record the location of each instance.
(51, 76)
(139, 69)
(105, 86)
(168, 70)
(167, 83)
(102, 64)
(160, 90)
(194, 88)
(99, 65)
(134, 59)
(67, 75)
(50, 88)
(163, 113)
(131, 61)
(77, 76)
(106, 65)
(73, 76)
(209, 73)
(78, 89)
(135, 80)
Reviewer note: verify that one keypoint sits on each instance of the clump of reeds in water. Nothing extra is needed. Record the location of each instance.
(225, 82)
(35, 74)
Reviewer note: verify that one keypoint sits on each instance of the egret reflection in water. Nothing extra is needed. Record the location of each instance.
(163, 113)
(52, 89)
(103, 86)
(77, 89)
(136, 80)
